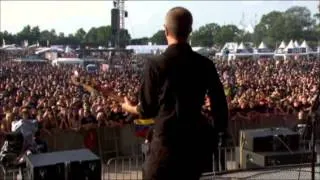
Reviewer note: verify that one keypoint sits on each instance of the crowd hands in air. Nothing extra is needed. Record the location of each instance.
(253, 89)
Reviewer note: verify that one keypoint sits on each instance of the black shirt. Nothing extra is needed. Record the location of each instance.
(173, 88)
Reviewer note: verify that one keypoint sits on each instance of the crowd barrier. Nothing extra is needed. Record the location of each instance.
(120, 150)
(121, 141)
(261, 121)
(130, 167)
(108, 142)
(123, 168)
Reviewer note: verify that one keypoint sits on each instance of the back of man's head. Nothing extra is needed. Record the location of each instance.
(179, 22)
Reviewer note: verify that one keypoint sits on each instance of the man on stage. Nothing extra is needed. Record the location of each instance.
(172, 93)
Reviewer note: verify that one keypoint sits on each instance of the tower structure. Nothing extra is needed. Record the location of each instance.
(118, 15)
(123, 14)
(120, 5)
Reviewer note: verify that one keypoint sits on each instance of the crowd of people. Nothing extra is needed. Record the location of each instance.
(270, 87)
(46, 93)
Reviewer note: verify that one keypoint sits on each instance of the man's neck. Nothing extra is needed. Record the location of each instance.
(173, 41)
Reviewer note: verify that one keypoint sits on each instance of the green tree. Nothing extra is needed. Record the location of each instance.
(227, 33)
(9, 38)
(298, 22)
(24, 34)
(80, 35)
(270, 29)
(1, 38)
(140, 41)
(205, 35)
(34, 35)
(159, 38)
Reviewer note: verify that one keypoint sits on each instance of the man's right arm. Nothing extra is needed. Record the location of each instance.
(218, 101)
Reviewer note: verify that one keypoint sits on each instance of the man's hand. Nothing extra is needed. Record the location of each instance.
(128, 107)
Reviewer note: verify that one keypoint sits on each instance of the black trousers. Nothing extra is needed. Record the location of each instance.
(184, 158)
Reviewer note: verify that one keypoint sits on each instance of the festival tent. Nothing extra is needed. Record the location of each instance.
(231, 47)
(43, 50)
(291, 45)
(280, 52)
(146, 49)
(241, 51)
(263, 51)
(296, 44)
(262, 46)
(304, 44)
(304, 48)
(282, 45)
(241, 47)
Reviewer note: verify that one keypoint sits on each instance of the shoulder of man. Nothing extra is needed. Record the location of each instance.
(208, 63)
(154, 62)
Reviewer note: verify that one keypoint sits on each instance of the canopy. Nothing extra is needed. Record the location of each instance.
(304, 44)
(296, 44)
(262, 46)
(282, 45)
(42, 50)
(146, 49)
(290, 45)
(241, 46)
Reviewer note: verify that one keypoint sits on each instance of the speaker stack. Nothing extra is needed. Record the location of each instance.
(79, 164)
(270, 147)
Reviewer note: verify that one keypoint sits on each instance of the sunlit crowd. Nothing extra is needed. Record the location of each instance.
(47, 94)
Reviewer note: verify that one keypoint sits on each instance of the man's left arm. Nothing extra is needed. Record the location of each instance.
(148, 97)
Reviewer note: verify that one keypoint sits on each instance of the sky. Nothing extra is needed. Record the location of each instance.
(145, 17)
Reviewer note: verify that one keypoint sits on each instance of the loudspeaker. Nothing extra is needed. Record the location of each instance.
(252, 160)
(79, 164)
(115, 20)
(269, 139)
(83, 170)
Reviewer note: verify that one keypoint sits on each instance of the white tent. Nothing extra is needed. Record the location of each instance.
(304, 45)
(231, 46)
(241, 46)
(262, 46)
(282, 45)
(290, 45)
(296, 44)
(146, 49)
(43, 50)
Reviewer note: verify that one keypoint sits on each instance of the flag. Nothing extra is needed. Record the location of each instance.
(142, 127)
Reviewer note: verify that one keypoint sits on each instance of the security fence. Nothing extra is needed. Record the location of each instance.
(120, 149)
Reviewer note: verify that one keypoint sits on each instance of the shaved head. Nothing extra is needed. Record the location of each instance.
(179, 22)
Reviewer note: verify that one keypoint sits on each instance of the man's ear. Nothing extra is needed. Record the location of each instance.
(165, 30)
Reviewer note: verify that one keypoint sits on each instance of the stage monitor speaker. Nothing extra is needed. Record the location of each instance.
(79, 164)
(115, 20)
(252, 160)
(269, 139)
